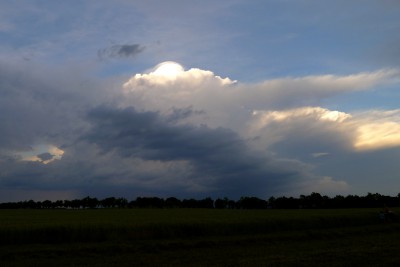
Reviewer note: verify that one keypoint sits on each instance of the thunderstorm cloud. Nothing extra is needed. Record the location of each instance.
(182, 132)
(218, 98)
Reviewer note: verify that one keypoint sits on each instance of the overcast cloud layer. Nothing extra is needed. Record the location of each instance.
(124, 100)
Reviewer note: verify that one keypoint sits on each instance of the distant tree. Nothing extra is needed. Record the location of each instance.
(47, 204)
(206, 203)
(252, 203)
(121, 202)
(338, 201)
(76, 203)
(373, 200)
(67, 204)
(353, 201)
(190, 203)
(271, 202)
(30, 204)
(58, 204)
(303, 202)
(149, 202)
(287, 203)
(231, 204)
(221, 203)
(316, 200)
(172, 202)
(89, 202)
(109, 202)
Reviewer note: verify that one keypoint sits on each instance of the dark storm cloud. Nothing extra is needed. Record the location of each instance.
(131, 131)
(218, 155)
(123, 51)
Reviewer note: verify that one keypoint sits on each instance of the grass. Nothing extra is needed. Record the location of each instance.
(197, 237)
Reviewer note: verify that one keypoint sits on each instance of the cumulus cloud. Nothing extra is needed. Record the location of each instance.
(169, 85)
(121, 51)
(168, 73)
(229, 100)
(171, 131)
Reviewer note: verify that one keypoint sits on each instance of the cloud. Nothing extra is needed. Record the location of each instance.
(277, 126)
(42, 153)
(321, 129)
(305, 119)
(43, 105)
(310, 90)
(319, 154)
(302, 131)
(121, 51)
(171, 131)
(25, 108)
(378, 130)
(218, 160)
(378, 136)
(168, 84)
(228, 100)
(160, 90)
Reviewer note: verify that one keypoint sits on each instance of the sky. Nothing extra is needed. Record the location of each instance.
(197, 99)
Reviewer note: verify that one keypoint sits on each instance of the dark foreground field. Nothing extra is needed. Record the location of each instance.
(197, 237)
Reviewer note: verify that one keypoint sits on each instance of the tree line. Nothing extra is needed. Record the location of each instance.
(312, 201)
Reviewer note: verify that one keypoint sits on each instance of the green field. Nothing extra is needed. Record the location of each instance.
(197, 237)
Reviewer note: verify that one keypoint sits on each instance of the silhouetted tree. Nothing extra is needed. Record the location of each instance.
(109, 202)
(252, 203)
(89, 202)
(190, 203)
(221, 203)
(286, 203)
(58, 204)
(47, 204)
(271, 202)
(338, 201)
(206, 203)
(173, 202)
(149, 202)
(121, 202)
(314, 200)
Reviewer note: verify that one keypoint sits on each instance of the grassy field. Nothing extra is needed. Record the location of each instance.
(197, 237)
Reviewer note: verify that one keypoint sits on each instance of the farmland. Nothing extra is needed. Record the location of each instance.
(197, 237)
